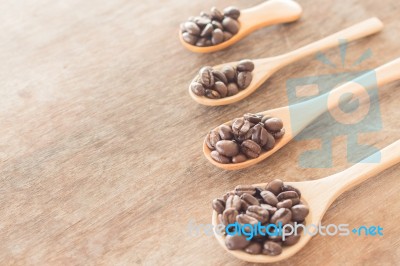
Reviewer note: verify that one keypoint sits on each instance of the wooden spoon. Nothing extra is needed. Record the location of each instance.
(312, 109)
(265, 67)
(265, 14)
(319, 195)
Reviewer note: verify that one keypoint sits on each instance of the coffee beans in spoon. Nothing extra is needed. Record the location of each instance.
(246, 138)
(211, 28)
(267, 206)
(228, 81)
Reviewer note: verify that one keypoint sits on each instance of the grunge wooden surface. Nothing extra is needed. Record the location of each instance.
(100, 143)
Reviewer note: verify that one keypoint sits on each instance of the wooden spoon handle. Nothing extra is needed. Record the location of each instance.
(357, 31)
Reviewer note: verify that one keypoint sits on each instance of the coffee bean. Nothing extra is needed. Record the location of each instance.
(201, 42)
(227, 35)
(281, 215)
(232, 89)
(221, 88)
(249, 199)
(246, 219)
(284, 204)
(208, 42)
(271, 210)
(254, 248)
(205, 15)
(286, 187)
(212, 94)
(260, 135)
(240, 127)
(229, 72)
(245, 66)
(244, 205)
(244, 79)
(291, 240)
(206, 76)
(279, 134)
(230, 25)
(192, 28)
(258, 212)
(272, 248)
(234, 242)
(227, 195)
(270, 142)
(212, 139)
(229, 216)
(207, 31)
(232, 12)
(250, 149)
(216, 14)
(299, 212)
(197, 88)
(269, 198)
(239, 158)
(218, 205)
(219, 76)
(275, 186)
(217, 25)
(273, 124)
(219, 158)
(241, 189)
(233, 201)
(225, 132)
(287, 195)
(227, 148)
(189, 38)
(253, 118)
(217, 36)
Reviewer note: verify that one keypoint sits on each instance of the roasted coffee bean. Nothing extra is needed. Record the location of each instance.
(189, 38)
(279, 134)
(258, 212)
(233, 201)
(270, 142)
(225, 132)
(245, 136)
(227, 35)
(216, 14)
(281, 215)
(271, 210)
(240, 127)
(219, 157)
(269, 198)
(207, 31)
(245, 66)
(217, 36)
(254, 248)
(232, 89)
(250, 149)
(292, 195)
(227, 195)
(249, 199)
(244, 79)
(217, 25)
(206, 76)
(275, 186)
(275, 237)
(192, 28)
(291, 188)
(234, 242)
(244, 205)
(241, 189)
(229, 72)
(202, 21)
(239, 158)
(272, 248)
(291, 240)
(208, 42)
(273, 124)
(201, 42)
(227, 148)
(284, 204)
(205, 15)
(232, 12)
(219, 76)
(230, 25)
(218, 205)
(259, 135)
(212, 139)
(221, 88)
(253, 118)
(197, 88)
(246, 219)
(212, 94)
(299, 212)
(229, 216)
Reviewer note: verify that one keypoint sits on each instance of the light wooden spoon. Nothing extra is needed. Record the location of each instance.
(312, 109)
(265, 14)
(265, 67)
(319, 195)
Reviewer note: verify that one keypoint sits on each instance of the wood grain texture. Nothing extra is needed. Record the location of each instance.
(100, 143)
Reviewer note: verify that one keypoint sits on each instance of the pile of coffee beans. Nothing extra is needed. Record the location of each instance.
(273, 204)
(211, 28)
(245, 138)
(228, 81)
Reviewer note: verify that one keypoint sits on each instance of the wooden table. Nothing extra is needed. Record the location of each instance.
(100, 143)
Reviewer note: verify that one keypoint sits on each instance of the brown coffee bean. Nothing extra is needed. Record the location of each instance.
(258, 212)
(279, 134)
(192, 28)
(245, 65)
(287, 195)
(219, 157)
(197, 88)
(273, 124)
(229, 216)
(232, 89)
(207, 31)
(233, 201)
(250, 149)
(244, 205)
(206, 77)
(227, 35)
(217, 36)
(232, 12)
(229, 72)
(201, 42)
(219, 76)
(227, 148)
(291, 240)
(269, 197)
(221, 88)
(241, 189)
(249, 199)
(239, 158)
(212, 94)
(212, 139)
(225, 132)
(226, 196)
(218, 205)
(244, 79)
(284, 204)
(271, 210)
(253, 118)
(270, 142)
(299, 212)
(291, 188)
(275, 186)
(216, 14)
(272, 248)
(217, 25)
(246, 219)
(208, 42)
(260, 135)
(189, 38)
(202, 21)
(234, 242)
(254, 248)
(240, 127)
(230, 25)
(281, 215)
